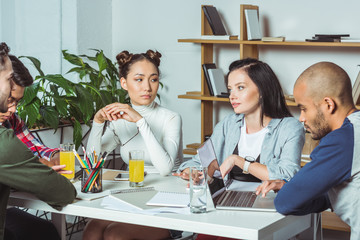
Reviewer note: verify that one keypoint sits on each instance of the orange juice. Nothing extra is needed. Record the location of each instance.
(68, 159)
(136, 170)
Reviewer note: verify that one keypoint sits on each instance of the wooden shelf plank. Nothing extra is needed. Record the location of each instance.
(190, 151)
(193, 145)
(203, 97)
(330, 220)
(285, 43)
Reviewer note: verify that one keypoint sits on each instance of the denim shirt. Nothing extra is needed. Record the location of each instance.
(280, 151)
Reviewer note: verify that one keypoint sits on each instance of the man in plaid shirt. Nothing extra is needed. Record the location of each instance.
(10, 120)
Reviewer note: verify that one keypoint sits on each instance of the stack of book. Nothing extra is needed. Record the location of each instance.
(215, 80)
(327, 38)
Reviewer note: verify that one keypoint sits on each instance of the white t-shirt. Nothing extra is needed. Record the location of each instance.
(250, 144)
(160, 136)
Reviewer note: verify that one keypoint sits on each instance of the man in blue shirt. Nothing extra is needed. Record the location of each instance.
(332, 179)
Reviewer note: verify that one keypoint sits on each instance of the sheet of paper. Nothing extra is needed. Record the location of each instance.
(117, 204)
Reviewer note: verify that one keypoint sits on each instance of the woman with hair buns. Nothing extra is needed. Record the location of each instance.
(143, 124)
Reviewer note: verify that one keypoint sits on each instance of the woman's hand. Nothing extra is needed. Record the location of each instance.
(228, 164)
(184, 174)
(115, 111)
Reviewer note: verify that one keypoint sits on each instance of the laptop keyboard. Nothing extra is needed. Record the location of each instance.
(238, 199)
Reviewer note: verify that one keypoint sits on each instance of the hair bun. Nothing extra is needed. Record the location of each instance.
(123, 58)
(155, 56)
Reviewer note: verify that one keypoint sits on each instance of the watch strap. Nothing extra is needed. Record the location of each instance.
(246, 167)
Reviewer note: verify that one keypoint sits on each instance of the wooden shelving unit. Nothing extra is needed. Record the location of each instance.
(246, 49)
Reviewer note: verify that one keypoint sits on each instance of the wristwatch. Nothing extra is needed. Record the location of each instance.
(248, 161)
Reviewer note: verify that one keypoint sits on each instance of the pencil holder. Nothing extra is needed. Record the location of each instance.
(91, 180)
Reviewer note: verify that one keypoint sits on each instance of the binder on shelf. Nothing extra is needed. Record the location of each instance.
(217, 80)
(206, 67)
(252, 24)
(214, 20)
(356, 90)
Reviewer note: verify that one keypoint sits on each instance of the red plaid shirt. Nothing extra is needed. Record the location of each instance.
(24, 134)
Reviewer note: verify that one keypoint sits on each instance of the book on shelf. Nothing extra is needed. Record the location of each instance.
(217, 80)
(332, 35)
(289, 98)
(214, 20)
(356, 90)
(349, 39)
(316, 39)
(206, 67)
(273, 39)
(252, 24)
(327, 37)
(220, 37)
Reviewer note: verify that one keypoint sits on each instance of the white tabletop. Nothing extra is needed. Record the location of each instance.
(235, 224)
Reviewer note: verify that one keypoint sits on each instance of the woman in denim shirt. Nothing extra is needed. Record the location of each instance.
(261, 128)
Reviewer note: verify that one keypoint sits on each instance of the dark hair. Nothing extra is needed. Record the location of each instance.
(272, 98)
(4, 51)
(126, 60)
(21, 76)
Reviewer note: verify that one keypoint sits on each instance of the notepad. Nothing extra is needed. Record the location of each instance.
(170, 199)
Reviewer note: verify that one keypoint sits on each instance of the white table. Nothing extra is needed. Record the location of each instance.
(233, 224)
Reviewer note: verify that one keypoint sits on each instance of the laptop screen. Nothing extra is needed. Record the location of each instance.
(208, 159)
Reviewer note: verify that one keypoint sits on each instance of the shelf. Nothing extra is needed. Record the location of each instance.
(198, 96)
(286, 43)
(331, 221)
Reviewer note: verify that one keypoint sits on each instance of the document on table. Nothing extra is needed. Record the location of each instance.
(136, 202)
(170, 199)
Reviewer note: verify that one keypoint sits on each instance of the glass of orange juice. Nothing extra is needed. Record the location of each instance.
(67, 157)
(136, 168)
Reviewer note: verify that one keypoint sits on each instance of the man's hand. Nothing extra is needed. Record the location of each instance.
(269, 185)
(55, 158)
(57, 168)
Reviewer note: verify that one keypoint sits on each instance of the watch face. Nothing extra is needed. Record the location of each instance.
(249, 159)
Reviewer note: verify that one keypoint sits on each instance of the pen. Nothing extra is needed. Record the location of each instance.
(37, 150)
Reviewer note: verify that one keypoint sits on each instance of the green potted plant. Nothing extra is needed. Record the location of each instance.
(53, 99)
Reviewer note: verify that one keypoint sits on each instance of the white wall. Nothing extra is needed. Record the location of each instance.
(41, 28)
(142, 24)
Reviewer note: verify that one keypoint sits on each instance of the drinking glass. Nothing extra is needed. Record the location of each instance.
(136, 168)
(198, 189)
(67, 157)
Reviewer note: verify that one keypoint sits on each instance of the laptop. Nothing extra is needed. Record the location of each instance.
(222, 196)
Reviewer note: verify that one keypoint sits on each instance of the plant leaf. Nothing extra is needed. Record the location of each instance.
(30, 112)
(62, 82)
(77, 134)
(30, 93)
(61, 105)
(101, 61)
(50, 116)
(72, 58)
(85, 101)
(36, 64)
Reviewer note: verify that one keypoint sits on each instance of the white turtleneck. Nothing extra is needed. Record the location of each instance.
(160, 136)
